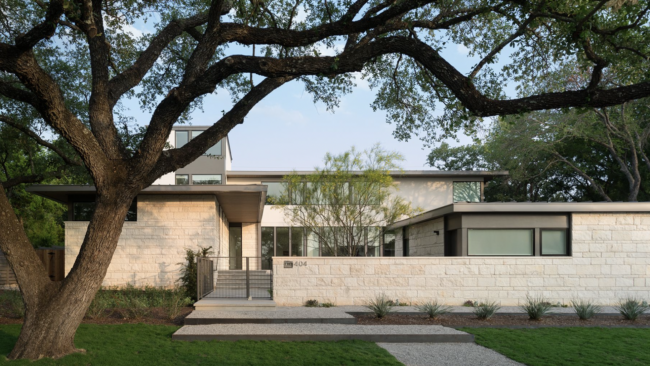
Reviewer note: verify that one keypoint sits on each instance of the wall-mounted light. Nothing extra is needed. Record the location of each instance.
(437, 232)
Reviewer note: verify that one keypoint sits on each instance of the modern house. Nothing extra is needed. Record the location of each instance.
(461, 248)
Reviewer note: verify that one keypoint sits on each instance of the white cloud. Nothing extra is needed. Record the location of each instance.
(462, 49)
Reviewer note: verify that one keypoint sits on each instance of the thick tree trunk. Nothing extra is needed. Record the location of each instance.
(53, 311)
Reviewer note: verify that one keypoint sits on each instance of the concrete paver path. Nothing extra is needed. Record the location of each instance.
(446, 354)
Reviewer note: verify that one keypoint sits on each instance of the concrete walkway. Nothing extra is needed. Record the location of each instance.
(446, 354)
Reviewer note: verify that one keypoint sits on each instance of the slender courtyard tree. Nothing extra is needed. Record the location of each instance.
(73, 62)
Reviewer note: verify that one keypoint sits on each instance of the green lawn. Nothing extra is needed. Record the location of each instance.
(140, 344)
(569, 346)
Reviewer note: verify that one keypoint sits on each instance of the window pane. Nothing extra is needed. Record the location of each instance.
(297, 193)
(274, 192)
(182, 138)
(235, 247)
(196, 133)
(374, 234)
(282, 241)
(467, 191)
(214, 150)
(83, 211)
(389, 244)
(328, 243)
(296, 241)
(267, 247)
(312, 244)
(182, 179)
(499, 242)
(206, 178)
(554, 242)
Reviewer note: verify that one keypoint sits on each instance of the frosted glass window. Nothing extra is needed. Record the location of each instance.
(500, 242)
(182, 137)
(312, 244)
(467, 191)
(554, 242)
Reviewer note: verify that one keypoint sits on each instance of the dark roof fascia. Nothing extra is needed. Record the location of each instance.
(403, 173)
(525, 207)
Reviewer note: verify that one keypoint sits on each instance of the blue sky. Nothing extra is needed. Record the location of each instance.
(288, 131)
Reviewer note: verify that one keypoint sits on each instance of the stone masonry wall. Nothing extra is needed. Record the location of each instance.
(423, 242)
(610, 261)
(150, 249)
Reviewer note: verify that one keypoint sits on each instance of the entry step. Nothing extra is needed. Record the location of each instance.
(279, 316)
(208, 303)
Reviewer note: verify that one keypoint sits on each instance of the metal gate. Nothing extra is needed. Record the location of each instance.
(235, 277)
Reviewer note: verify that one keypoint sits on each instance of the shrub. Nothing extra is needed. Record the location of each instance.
(14, 301)
(585, 309)
(188, 270)
(380, 305)
(100, 304)
(536, 307)
(173, 301)
(469, 304)
(135, 307)
(433, 309)
(328, 304)
(631, 308)
(486, 309)
(311, 303)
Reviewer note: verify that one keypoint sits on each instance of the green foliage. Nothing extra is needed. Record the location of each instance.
(632, 308)
(13, 300)
(536, 307)
(152, 345)
(102, 305)
(174, 301)
(433, 309)
(188, 276)
(311, 303)
(580, 346)
(327, 304)
(585, 309)
(350, 195)
(380, 305)
(485, 310)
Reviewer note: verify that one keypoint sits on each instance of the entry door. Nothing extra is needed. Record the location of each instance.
(235, 244)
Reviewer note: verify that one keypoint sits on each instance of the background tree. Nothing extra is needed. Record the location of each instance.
(347, 201)
(71, 63)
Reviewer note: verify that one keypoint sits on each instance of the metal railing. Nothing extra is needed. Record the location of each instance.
(204, 277)
(236, 277)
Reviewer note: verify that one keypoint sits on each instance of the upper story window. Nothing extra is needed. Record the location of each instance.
(274, 192)
(206, 179)
(467, 192)
(183, 137)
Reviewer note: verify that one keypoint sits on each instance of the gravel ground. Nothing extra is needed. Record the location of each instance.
(279, 313)
(269, 329)
(446, 354)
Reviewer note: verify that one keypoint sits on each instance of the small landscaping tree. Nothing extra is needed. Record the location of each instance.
(189, 268)
(352, 196)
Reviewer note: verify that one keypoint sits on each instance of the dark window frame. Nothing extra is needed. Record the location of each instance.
(133, 208)
(502, 255)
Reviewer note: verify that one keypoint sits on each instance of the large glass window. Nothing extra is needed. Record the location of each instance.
(206, 178)
(274, 192)
(282, 241)
(312, 244)
(374, 234)
(182, 179)
(267, 247)
(389, 244)
(500, 242)
(467, 192)
(83, 211)
(554, 242)
(297, 237)
(328, 243)
(182, 137)
(235, 247)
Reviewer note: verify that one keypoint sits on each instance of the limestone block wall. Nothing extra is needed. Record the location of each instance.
(423, 242)
(150, 249)
(610, 260)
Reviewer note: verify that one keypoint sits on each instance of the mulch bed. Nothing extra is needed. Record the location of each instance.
(156, 316)
(470, 321)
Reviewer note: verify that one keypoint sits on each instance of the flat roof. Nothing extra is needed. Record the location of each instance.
(395, 173)
(524, 207)
(240, 203)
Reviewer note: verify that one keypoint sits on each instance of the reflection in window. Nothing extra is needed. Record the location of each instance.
(267, 247)
(554, 242)
(374, 234)
(296, 241)
(282, 241)
(467, 192)
(182, 179)
(389, 244)
(274, 192)
(182, 137)
(500, 242)
(206, 178)
(83, 211)
(312, 244)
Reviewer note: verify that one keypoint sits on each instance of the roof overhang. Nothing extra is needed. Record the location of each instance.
(486, 175)
(240, 203)
(525, 208)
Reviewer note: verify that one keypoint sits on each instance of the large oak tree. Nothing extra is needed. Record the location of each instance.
(396, 44)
